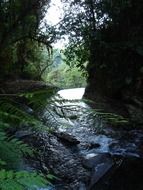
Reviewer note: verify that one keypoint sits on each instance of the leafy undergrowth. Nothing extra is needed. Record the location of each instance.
(14, 115)
(110, 118)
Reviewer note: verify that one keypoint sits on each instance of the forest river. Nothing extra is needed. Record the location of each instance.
(110, 136)
(88, 154)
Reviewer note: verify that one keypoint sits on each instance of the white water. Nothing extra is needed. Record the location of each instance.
(126, 148)
(85, 135)
(72, 94)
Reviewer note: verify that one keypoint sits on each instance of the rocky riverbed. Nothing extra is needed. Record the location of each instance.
(89, 154)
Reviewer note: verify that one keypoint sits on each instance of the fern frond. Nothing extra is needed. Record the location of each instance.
(10, 180)
(12, 150)
(46, 104)
(39, 99)
(13, 114)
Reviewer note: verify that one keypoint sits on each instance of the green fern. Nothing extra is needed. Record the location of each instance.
(10, 180)
(47, 106)
(40, 99)
(12, 151)
(12, 114)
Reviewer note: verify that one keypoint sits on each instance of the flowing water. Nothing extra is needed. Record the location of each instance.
(94, 135)
(85, 128)
(72, 94)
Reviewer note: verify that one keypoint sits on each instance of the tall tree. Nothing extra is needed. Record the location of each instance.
(21, 21)
(107, 35)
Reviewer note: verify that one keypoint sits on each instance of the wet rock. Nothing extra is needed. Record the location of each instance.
(73, 117)
(63, 136)
(61, 162)
(125, 174)
(128, 176)
(90, 146)
(82, 186)
(23, 133)
(93, 160)
(94, 145)
(100, 164)
(136, 113)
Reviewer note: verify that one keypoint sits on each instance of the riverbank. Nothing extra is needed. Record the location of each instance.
(130, 107)
(89, 155)
(20, 86)
(80, 149)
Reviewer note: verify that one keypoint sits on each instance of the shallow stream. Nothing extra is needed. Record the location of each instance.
(95, 137)
(89, 129)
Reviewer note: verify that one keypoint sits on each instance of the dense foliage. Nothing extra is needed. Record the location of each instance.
(108, 36)
(105, 39)
(62, 75)
(21, 33)
(15, 116)
(22, 41)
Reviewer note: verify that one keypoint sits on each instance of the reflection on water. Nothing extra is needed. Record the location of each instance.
(48, 188)
(72, 94)
(91, 131)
